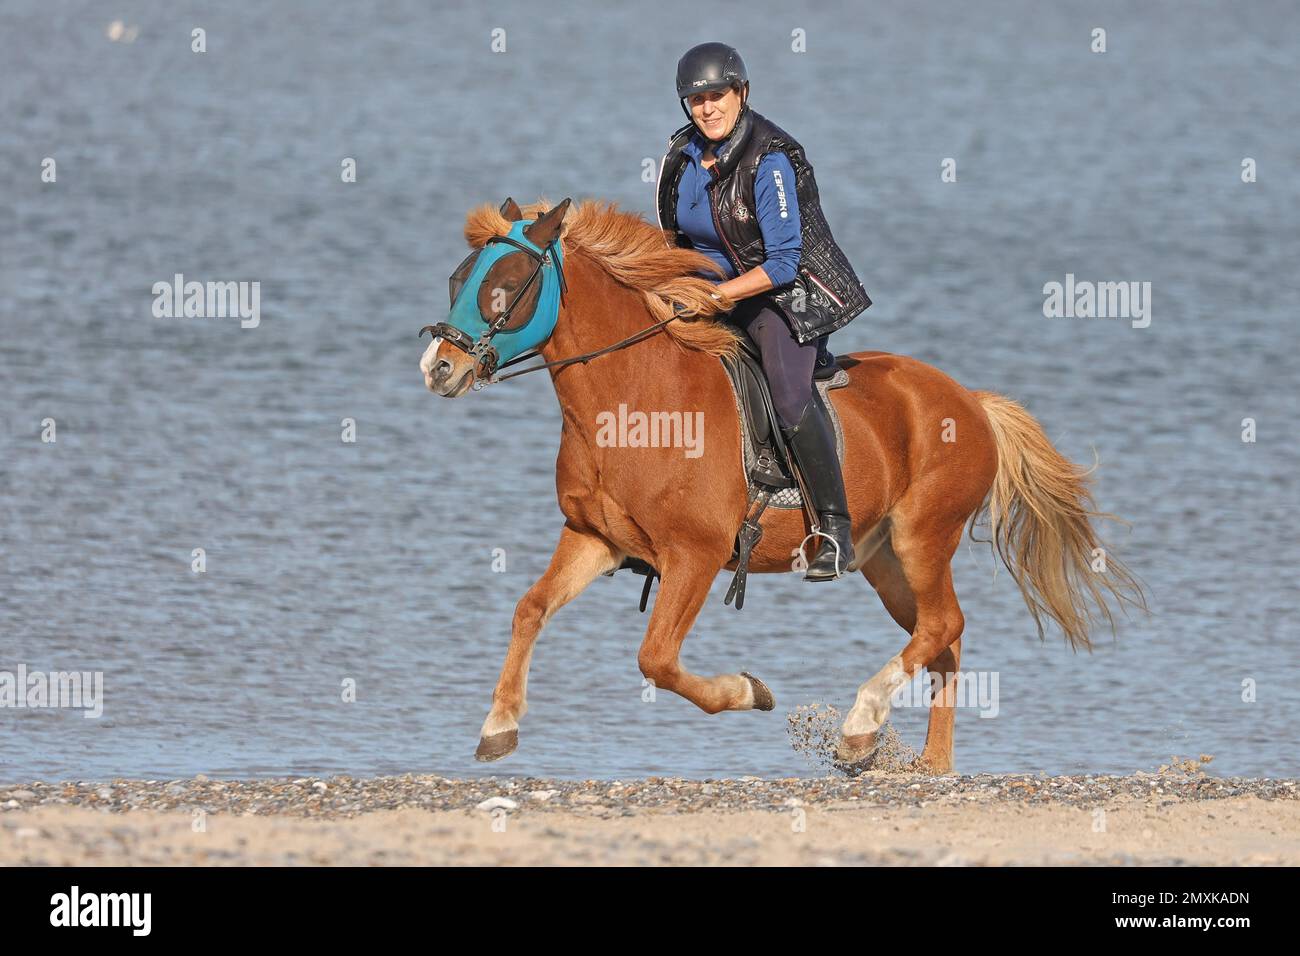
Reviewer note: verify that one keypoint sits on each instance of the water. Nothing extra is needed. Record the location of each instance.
(371, 561)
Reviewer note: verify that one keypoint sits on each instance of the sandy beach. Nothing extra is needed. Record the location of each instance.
(1170, 817)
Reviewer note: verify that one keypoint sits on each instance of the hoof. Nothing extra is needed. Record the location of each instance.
(921, 765)
(497, 746)
(763, 699)
(857, 754)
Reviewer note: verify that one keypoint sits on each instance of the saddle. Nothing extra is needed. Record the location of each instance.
(769, 467)
(768, 463)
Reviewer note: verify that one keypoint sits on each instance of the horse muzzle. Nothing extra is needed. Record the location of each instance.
(448, 372)
(451, 372)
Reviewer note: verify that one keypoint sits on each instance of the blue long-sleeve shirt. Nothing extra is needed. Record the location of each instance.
(778, 213)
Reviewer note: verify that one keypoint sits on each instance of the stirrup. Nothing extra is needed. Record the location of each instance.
(818, 533)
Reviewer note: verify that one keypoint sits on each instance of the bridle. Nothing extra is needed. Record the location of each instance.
(481, 351)
(485, 357)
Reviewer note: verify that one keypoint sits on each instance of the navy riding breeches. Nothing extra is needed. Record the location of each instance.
(788, 365)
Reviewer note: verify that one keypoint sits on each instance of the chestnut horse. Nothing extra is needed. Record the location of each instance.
(923, 457)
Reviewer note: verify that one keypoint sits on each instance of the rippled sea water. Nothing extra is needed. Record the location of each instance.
(328, 560)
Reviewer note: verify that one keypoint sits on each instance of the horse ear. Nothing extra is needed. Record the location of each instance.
(547, 227)
(510, 209)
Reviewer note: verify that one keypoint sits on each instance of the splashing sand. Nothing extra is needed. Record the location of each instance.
(814, 731)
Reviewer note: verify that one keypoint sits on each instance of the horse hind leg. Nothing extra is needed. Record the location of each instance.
(579, 558)
(937, 755)
(884, 572)
(914, 579)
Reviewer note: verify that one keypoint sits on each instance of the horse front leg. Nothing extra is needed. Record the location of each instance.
(579, 559)
(683, 589)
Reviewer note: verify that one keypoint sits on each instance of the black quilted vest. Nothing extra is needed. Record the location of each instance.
(825, 294)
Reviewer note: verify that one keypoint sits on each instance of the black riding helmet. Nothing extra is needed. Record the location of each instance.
(709, 66)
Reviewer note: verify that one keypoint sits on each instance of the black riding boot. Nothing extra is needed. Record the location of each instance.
(813, 443)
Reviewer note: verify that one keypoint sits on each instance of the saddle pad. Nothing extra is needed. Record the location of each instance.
(789, 498)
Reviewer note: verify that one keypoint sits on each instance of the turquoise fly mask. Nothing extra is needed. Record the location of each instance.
(507, 336)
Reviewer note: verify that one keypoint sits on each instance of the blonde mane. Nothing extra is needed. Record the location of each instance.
(634, 254)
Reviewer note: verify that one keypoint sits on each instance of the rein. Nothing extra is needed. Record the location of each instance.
(586, 357)
(559, 363)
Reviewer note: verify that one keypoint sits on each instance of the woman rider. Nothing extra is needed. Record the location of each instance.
(738, 188)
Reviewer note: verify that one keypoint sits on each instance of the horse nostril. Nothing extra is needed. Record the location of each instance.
(441, 371)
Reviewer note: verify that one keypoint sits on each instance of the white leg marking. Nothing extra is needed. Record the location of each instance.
(497, 724)
(871, 708)
(747, 700)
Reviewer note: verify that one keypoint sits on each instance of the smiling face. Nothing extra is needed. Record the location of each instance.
(716, 111)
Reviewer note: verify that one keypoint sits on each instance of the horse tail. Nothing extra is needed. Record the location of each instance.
(1040, 518)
